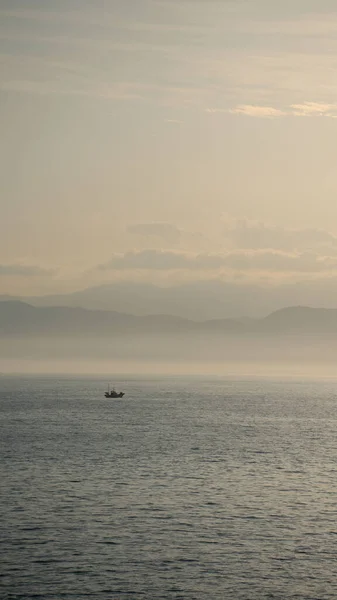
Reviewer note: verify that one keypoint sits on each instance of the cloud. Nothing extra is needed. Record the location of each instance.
(276, 261)
(273, 261)
(247, 234)
(174, 121)
(305, 109)
(314, 109)
(25, 271)
(270, 56)
(31, 75)
(163, 260)
(257, 111)
(311, 25)
(166, 231)
(85, 16)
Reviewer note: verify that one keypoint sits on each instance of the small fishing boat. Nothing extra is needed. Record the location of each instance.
(113, 393)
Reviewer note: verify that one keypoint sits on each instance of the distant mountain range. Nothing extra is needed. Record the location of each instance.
(192, 300)
(199, 301)
(22, 319)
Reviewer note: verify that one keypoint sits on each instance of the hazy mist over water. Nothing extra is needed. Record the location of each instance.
(303, 356)
(187, 488)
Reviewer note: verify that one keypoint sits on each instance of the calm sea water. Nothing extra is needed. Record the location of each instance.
(184, 489)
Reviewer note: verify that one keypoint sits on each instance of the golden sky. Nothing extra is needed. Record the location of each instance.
(165, 141)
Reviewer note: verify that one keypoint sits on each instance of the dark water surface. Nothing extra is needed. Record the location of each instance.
(184, 489)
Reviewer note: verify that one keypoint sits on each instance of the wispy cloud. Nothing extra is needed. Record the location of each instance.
(256, 235)
(188, 39)
(257, 111)
(50, 88)
(162, 260)
(182, 59)
(272, 261)
(306, 109)
(314, 109)
(85, 16)
(280, 262)
(310, 25)
(31, 14)
(174, 121)
(49, 76)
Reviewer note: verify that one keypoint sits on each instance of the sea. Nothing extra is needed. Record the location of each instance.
(187, 488)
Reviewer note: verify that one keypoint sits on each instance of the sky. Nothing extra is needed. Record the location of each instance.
(167, 141)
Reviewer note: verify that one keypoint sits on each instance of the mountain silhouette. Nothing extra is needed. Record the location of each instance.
(22, 319)
(301, 319)
(200, 301)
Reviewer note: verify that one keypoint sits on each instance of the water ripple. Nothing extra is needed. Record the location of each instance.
(217, 490)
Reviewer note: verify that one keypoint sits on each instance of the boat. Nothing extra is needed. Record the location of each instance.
(113, 393)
